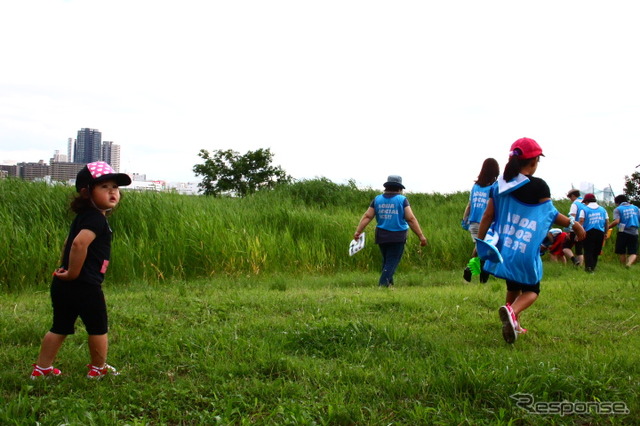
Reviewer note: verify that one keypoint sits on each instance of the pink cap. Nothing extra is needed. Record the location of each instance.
(99, 168)
(525, 148)
(98, 171)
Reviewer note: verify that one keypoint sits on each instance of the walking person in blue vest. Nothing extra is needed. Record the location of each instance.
(626, 217)
(394, 217)
(595, 222)
(520, 213)
(574, 211)
(478, 198)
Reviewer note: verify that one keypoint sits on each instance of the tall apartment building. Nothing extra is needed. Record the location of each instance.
(70, 142)
(111, 154)
(88, 146)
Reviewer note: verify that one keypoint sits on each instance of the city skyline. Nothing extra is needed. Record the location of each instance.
(88, 147)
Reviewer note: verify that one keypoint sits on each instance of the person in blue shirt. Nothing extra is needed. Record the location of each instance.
(595, 221)
(478, 198)
(520, 213)
(626, 217)
(394, 217)
(574, 211)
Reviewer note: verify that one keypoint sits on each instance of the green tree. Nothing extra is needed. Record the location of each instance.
(632, 187)
(228, 172)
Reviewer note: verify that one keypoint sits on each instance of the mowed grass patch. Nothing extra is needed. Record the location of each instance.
(333, 349)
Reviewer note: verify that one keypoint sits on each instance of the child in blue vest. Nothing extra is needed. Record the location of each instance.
(595, 222)
(478, 198)
(520, 213)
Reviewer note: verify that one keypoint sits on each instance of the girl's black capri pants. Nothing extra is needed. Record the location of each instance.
(71, 301)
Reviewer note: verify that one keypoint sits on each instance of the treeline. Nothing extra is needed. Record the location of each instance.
(298, 228)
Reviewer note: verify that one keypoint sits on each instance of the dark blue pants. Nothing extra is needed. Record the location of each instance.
(391, 255)
(592, 248)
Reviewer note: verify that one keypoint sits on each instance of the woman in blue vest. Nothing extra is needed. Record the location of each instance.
(595, 222)
(520, 212)
(627, 218)
(478, 198)
(393, 217)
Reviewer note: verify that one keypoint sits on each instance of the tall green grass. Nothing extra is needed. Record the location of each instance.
(300, 228)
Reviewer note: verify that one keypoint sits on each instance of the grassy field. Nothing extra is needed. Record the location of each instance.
(249, 311)
(335, 349)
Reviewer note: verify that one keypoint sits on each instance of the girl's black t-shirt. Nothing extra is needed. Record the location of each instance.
(532, 192)
(98, 252)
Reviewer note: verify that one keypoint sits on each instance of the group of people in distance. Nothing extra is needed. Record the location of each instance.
(515, 213)
(594, 217)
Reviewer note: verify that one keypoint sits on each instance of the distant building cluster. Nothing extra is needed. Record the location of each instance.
(86, 148)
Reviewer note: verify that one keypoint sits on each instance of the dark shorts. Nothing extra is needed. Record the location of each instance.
(516, 286)
(71, 301)
(626, 243)
(571, 242)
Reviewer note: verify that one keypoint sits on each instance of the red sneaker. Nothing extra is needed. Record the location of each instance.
(98, 372)
(44, 372)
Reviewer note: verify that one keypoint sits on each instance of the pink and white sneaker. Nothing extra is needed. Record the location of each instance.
(99, 372)
(44, 372)
(509, 323)
(519, 328)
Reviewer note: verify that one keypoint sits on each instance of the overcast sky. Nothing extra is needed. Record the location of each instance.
(337, 89)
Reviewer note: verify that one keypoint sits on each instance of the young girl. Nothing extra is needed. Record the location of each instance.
(478, 198)
(520, 212)
(76, 290)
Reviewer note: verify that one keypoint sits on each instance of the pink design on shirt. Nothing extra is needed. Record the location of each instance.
(105, 265)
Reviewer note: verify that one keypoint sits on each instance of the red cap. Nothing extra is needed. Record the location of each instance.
(525, 148)
(589, 198)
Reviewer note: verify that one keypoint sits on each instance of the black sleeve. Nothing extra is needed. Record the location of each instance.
(533, 192)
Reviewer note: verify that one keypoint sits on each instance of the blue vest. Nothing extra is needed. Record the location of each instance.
(478, 200)
(579, 207)
(594, 218)
(628, 215)
(521, 228)
(390, 212)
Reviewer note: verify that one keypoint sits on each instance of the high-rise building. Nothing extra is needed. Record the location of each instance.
(70, 150)
(111, 154)
(88, 146)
